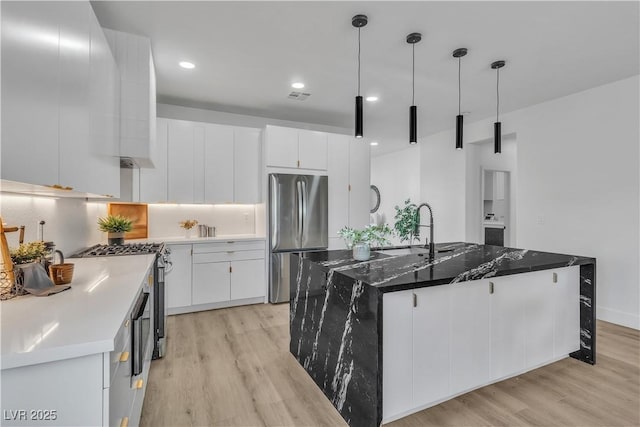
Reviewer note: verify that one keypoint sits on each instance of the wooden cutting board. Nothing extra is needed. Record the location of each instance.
(136, 212)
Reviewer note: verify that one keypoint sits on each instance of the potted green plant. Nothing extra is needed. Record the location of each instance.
(28, 252)
(115, 226)
(407, 221)
(360, 241)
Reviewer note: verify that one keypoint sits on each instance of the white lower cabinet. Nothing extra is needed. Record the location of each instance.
(246, 279)
(441, 341)
(178, 280)
(430, 343)
(215, 275)
(470, 311)
(211, 282)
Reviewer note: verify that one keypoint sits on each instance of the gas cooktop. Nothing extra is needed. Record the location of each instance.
(125, 249)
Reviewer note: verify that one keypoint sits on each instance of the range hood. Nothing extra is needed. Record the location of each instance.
(129, 180)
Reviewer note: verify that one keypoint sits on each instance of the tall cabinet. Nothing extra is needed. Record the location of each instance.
(349, 171)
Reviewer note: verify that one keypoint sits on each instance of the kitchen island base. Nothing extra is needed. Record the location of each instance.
(382, 339)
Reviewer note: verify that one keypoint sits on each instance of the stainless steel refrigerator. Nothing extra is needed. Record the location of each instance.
(297, 222)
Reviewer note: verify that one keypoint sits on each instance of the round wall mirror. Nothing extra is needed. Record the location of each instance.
(375, 199)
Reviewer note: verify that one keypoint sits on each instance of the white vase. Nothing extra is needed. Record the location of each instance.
(187, 233)
(361, 251)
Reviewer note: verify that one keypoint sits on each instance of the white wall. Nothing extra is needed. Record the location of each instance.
(397, 176)
(578, 185)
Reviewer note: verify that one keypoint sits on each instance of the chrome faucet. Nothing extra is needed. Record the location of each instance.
(430, 244)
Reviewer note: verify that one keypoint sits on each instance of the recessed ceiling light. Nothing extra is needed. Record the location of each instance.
(372, 98)
(187, 65)
(374, 143)
(297, 85)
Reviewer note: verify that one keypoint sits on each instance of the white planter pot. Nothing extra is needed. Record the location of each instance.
(361, 251)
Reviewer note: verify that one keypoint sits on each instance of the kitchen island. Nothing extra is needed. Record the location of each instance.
(401, 332)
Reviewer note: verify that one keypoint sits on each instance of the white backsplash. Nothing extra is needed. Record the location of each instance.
(164, 219)
(69, 223)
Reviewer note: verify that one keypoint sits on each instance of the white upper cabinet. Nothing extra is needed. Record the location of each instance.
(137, 96)
(281, 147)
(153, 181)
(295, 148)
(59, 100)
(218, 184)
(180, 158)
(247, 160)
(312, 150)
(206, 163)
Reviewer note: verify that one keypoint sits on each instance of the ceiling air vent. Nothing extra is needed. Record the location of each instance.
(299, 96)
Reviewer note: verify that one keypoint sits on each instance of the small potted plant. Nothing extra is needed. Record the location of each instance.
(28, 252)
(115, 226)
(360, 241)
(407, 221)
(188, 224)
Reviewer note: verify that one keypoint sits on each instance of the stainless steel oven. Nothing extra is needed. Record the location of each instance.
(141, 321)
(162, 266)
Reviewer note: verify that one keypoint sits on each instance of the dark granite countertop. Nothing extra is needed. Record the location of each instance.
(453, 262)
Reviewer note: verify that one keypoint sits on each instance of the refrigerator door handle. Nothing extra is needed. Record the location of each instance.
(304, 210)
(274, 211)
(299, 202)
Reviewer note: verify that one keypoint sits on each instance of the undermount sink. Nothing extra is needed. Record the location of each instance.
(404, 251)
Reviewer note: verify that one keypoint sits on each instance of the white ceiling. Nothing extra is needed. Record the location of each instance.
(248, 53)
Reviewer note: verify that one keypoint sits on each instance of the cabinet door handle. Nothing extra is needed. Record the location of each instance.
(491, 287)
(126, 323)
(415, 300)
(124, 422)
(124, 356)
(231, 252)
(231, 241)
(139, 383)
(230, 269)
(298, 163)
(555, 277)
(150, 280)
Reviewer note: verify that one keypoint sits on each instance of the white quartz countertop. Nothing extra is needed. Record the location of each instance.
(195, 239)
(80, 321)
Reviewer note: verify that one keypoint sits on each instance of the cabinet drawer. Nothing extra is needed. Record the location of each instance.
(122, 343)
(230, 255)
(120, 393)
(229, 245)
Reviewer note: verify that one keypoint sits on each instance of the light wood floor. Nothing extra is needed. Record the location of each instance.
(232, 367)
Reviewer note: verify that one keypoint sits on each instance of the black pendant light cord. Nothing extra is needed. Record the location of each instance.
(358, 61)
(497, 94)
(413, 75)
(459, 86)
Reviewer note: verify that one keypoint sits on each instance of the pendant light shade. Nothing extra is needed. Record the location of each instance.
(412, 39)
(497, 126)
(358, 116)
(459, 53)
(358, 22)
(413, 125)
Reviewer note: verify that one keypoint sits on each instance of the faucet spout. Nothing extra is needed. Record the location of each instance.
(430, 244)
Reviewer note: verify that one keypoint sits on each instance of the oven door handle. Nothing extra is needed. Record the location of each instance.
(140, 306)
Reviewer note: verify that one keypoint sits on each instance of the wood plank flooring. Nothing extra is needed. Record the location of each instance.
(232, 367)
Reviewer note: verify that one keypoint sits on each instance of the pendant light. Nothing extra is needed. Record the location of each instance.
(459, 53)
(359, 21)
(497, 126)
(412, 39)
